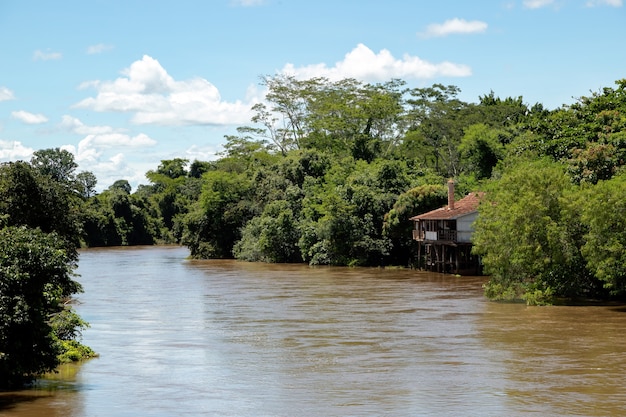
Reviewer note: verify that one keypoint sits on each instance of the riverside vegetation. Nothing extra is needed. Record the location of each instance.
(328, 173)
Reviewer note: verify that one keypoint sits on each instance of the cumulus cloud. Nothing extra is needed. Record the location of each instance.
(536, 4)
(74, 125)
(100, 138)
(6, 94)
(98, 49)
(94, 151)
(116, 140)
(454, 26)
(154, 97)
(29, 118)
(109, 169)
(612, 3)
(14, 150)
(363, 64)
(206, 153)
(39, 55)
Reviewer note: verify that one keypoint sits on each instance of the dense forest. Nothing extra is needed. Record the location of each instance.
(328, 173)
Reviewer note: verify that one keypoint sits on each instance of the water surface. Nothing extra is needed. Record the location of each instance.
(222, 338)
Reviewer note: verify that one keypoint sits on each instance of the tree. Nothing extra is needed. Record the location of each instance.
(117, 218)
(527, 245)
(397, 226)
(197, 168)
(271, 237)
(435, 114)
(35, 277)
(604, 249)
(29, 198)
(481, 149)
(213, 224)
(57, 163)
(86, 183)
(341, 222)
(121, 185)
(170, 168)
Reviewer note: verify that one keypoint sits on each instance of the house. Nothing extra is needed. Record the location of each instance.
(445, 235)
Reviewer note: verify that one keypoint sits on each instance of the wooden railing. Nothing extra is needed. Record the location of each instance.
(447, 235)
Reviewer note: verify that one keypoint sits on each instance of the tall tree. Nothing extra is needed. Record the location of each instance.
(527, 247)
(58, 163)
(435, 113)
(604, 214)
(32, 199)
(35, 277)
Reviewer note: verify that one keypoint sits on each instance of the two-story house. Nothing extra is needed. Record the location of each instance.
(445, 235)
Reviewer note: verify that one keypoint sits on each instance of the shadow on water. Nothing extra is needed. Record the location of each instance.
(49, 395)
(9, 399)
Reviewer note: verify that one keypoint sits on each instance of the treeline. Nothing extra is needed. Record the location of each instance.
(329, 173)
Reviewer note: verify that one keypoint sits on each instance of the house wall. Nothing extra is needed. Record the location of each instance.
(464, 227)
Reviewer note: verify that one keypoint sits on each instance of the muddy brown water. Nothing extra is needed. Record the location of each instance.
(225, 338)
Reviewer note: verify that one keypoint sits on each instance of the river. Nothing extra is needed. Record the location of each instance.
(178, 337)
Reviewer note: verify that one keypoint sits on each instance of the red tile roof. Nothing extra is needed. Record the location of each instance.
(466, 205)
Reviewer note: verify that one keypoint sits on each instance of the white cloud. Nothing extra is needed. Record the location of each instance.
(110, 140)
(93, 152)
(207, 153)
(148, 91)
(612, 3)
(455, 26)
(29, 118)
(6, 94)
(537, 4)
(99, 48)
(74, 125)
(110, 169)
(46, 56)
(92, 147)
(13, 150)
(363, 64)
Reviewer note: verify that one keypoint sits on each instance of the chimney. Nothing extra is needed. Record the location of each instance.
(451, 194)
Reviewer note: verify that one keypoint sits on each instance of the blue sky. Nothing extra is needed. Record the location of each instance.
(126, 84)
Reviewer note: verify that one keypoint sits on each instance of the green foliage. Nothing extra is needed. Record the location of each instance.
(481, 149)
(86, 184)
(35, 276)
(117, 218)
(342, 216)
(74, 351)
(270, 237)
(56, 163)
(67, 327)
(398, 228)
(329, 172)
(38, 201)
(213, 224)
(520, 233)
(604, 214)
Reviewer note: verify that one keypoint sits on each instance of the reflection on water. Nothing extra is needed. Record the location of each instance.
(55, 395)
(224, 338)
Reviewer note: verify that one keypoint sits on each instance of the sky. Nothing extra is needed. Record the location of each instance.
(126, 84)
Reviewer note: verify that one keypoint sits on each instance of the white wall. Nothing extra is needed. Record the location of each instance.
(464, 227)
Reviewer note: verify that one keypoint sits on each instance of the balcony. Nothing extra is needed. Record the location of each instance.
(442, 235)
